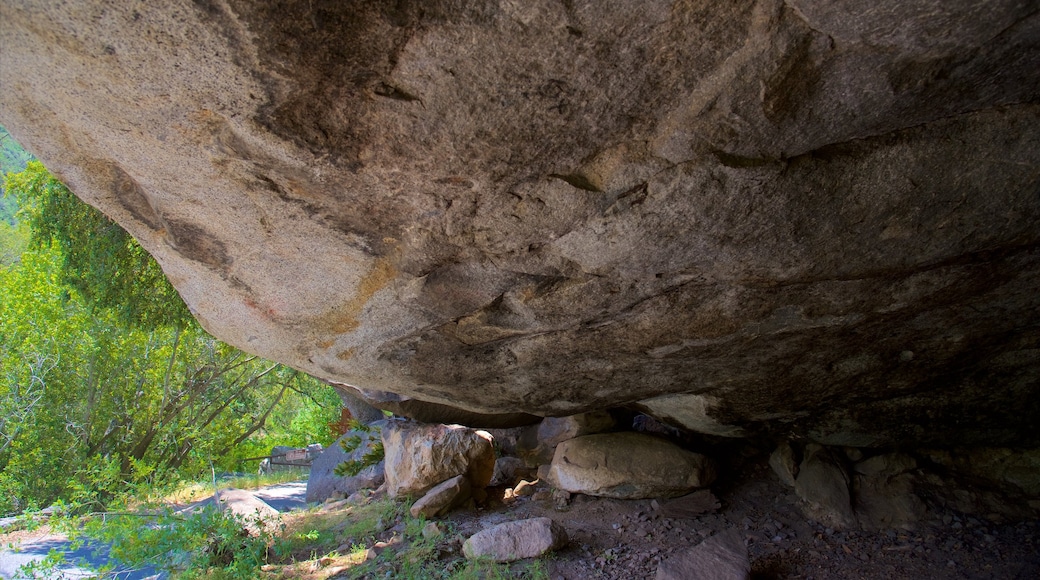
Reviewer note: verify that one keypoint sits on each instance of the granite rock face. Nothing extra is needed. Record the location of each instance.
(628, 466)
(516, 540)
(817, 215)
(418, 457)
(322, 481)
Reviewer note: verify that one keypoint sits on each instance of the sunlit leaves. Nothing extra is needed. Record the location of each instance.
(100, 260)
(106, 383)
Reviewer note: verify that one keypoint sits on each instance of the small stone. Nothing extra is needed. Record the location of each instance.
(561, 498)
(516, 540)
(431, 530)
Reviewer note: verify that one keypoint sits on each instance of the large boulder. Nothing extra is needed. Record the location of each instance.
(254, 512)
(442, 498)
(323, 482)
(628, 466)
(419, 456)
(816, 217)
(516, 540)
(538, 444)
(884, 492)
(823, 483)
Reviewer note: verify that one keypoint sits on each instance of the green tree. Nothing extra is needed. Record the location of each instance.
(100, 261)
(105, 381)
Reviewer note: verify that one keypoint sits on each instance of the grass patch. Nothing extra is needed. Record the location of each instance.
(375, 538)
(379, 539)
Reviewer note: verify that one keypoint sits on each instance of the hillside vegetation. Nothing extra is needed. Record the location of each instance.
(107, 383)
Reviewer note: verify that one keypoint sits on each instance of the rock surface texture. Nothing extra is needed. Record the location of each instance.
(823, 482)
(442, 498)
(720, 557)
(817, 216)
(323, 483)
(628, 466)
(419, 456)
(517, 540)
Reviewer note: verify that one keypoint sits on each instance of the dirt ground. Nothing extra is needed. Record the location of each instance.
(626, 539)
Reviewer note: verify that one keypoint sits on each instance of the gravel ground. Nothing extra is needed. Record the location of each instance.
(626, 539)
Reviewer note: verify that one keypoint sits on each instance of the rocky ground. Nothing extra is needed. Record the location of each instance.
(626, 539)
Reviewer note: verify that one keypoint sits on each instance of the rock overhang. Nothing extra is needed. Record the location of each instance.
(798, 216)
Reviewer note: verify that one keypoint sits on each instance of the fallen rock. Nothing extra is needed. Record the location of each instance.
(887, 502)
(784, 463)
(560, 498)
(418, 456)
(507, 470)
(516, 540)
(539, 444)
(628, 466)
(442, 498)
(884, 492)
(1014, 470)
(720, 557)
(823, 483)
(254, 512)
(885, 465)
(690, 506)
(431, 530)
(323, 483)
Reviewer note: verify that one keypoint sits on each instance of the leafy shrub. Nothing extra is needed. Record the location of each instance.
(373, 453)
(188, 545)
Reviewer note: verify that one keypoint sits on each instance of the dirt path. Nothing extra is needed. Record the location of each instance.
(34, 546)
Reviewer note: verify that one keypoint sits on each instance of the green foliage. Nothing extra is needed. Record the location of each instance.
(13, 157)
(100, 261)
(97, 398)
(204, 543)
(47, 568)
(373, 453)
(14, 236)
